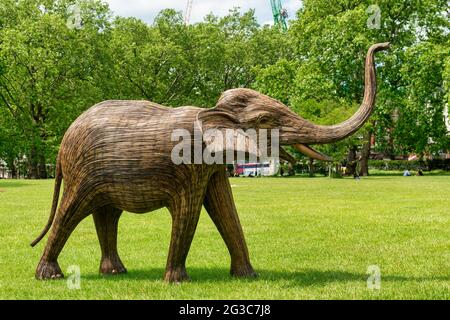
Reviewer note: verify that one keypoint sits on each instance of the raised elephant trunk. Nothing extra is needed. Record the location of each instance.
(328, 134)
(119, 156)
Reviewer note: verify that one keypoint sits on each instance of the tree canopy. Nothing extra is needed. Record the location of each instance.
(59, 57)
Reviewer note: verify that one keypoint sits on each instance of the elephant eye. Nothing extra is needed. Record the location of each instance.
(265, 120)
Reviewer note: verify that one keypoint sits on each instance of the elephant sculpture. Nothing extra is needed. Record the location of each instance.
(117, 157)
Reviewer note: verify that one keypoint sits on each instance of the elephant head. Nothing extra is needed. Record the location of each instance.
(248, 109)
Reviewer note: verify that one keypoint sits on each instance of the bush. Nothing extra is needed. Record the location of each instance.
(401, 165)
(320, 168)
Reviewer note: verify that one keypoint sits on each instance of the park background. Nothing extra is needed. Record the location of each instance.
(54, 66)
(315, 237)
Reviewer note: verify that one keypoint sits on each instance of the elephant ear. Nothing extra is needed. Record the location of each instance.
(222, 131)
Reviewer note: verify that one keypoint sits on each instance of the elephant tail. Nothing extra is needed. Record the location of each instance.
(58, 179)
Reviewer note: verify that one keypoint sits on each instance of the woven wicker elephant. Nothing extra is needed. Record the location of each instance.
(117, 157)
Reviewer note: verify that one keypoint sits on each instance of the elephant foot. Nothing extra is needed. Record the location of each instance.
(112, 266)
(176, 275)
(47, 270)
(244, 270)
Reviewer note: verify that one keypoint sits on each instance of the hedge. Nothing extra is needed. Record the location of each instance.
(427, 165)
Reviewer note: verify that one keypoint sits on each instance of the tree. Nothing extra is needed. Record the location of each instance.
(423, 76)
(52, 69)
(48, 74)
(146, 65)
(331, 38)
(12, 144)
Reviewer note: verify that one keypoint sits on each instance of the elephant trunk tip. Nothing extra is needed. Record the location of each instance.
(333, 133)
(381, 46)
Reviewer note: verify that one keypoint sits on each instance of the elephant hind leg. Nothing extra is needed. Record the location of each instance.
(220, 206)
(106, 221)
(70, 213)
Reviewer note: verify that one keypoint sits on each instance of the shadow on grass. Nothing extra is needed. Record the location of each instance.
(307, 277)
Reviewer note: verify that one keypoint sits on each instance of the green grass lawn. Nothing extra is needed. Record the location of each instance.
(308, 239)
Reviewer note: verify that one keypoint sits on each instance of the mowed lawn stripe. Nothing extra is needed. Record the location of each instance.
(309, 238)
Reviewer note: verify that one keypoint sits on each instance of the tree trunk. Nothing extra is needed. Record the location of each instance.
(390, 146)
(365, 154)
(36, 164)
(11, 166)
(33, 172)
(42, 168)
(311, 167)
(281, 169)
(337, 167)
(13, 171)
(351, 161)
(291, 171)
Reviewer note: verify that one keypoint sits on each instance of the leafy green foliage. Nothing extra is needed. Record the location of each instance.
(426, 99)
(51, 72)
(330, 40)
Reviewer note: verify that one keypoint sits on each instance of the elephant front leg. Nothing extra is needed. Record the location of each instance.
(106, 221)
(220, 206)
(185, 216)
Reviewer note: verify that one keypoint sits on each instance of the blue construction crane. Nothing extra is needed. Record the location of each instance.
(280, 15)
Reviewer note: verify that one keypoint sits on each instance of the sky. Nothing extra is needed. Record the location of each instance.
(148, 9)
